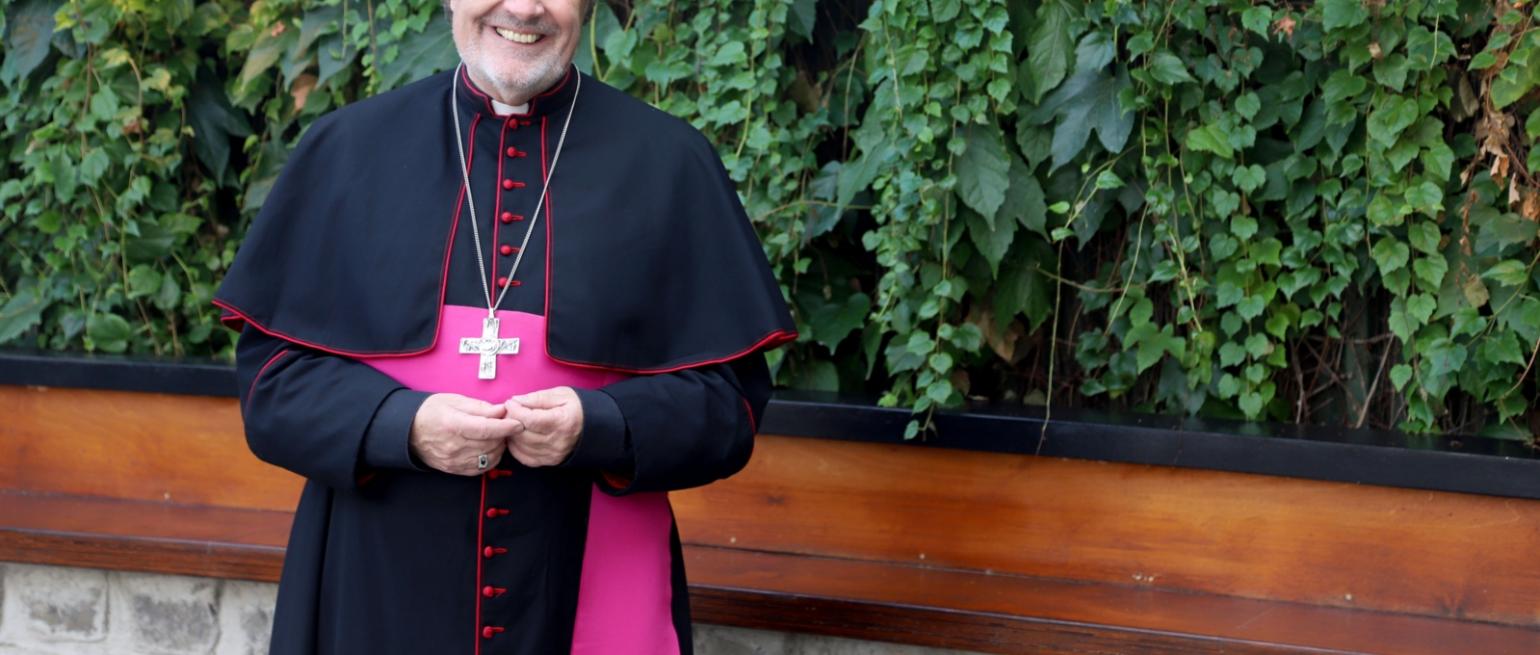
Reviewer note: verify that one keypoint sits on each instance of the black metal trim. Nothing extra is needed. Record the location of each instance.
(1468, 464)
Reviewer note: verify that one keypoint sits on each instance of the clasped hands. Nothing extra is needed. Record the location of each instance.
(451, 431)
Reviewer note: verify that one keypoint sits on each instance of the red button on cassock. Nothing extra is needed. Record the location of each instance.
(490, 591)
(507, 217)
(502, 281)
(507, 185)
(490, 552)
(507, 250)
(488, 631)
(512, 151)
(494, 512)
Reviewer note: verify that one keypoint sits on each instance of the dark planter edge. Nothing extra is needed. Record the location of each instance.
(1466, 464)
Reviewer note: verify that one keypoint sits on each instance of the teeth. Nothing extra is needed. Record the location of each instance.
(517, 37)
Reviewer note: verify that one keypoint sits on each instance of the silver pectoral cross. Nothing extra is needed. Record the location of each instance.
(488, 347)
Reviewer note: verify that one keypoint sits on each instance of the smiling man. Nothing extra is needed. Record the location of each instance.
(492, 318)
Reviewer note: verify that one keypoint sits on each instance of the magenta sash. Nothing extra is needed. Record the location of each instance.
(625, 597)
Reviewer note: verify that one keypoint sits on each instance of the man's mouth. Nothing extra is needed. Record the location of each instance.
(525, 38)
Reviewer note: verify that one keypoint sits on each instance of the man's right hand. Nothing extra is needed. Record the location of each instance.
(451, 431)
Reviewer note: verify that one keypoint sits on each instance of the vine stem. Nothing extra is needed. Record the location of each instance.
(1363, 412)
(1053, 350)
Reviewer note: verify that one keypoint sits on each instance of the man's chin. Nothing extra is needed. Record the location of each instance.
(514, 85)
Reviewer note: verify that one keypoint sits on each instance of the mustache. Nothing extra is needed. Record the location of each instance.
(508, 21)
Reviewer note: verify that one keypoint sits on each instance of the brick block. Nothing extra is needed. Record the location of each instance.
(164, 614)
(245, 617)
(45, 604)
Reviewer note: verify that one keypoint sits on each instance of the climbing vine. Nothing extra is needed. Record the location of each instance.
(1316, 212)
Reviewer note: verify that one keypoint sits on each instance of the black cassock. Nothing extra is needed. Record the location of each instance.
(642, 277)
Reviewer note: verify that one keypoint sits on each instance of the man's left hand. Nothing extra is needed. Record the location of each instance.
(552, 418)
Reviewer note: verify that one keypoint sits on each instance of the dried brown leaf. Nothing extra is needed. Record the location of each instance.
(301, 89)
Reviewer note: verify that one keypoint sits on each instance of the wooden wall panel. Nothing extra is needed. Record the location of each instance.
(138, 446)
(1331, 544)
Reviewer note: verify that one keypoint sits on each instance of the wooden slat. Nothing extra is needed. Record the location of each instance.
(1329, 544)
(139, 446)
(1014, 614)
(214, 542)
(865, 600)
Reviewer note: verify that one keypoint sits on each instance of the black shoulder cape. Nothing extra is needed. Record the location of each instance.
(653, 265)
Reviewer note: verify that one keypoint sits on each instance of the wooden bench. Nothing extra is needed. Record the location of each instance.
(980, 551)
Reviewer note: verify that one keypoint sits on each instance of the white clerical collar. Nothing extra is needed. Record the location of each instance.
(504, 110)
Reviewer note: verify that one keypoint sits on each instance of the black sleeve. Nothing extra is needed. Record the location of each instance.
(673, 430)
(325, 417)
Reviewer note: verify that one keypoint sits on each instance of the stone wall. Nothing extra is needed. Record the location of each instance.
(50, 610)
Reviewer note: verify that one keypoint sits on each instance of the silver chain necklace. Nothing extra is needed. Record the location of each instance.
(489, 345)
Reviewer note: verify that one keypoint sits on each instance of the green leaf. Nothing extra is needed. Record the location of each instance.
(29, 27)
(1420, 306)
(1391, 118)
(263, 55)
(1502, 348)
(1231, 353)
(1424, 236)
(1048, 49)
(1168, 69)
(1510, 85)
(1243, 227)
(1228, 386)
(803, 16)
(215, 123)
(1342, 14)
(1248, 105)
(104, 104)
(1251, 403)
(143, 280)
(1095, 51)
(1153, 344)
(1086, 102)
(1023, 290)
(334, 54)
(1250, 307)
(993, 241)
(981, 172)
(1509, 273)
(108, 332)
(1446, 358)
(20, 312)
(1401, 324)
(1426, 197)
(1248, 178)
(1210, 138)
(1024, 201)
(939, 391)
(857, 176)
(1400, 374)
(422, 53)
(1431, 269)
(1257, 19)
(819, 375)
(1342, 85)
(1390, 254)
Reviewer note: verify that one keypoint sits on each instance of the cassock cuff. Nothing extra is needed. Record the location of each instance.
(387, 443)
(602, 445)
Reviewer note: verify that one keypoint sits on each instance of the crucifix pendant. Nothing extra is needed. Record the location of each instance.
(488, 347)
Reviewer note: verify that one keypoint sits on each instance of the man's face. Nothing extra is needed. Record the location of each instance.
(515, 49)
